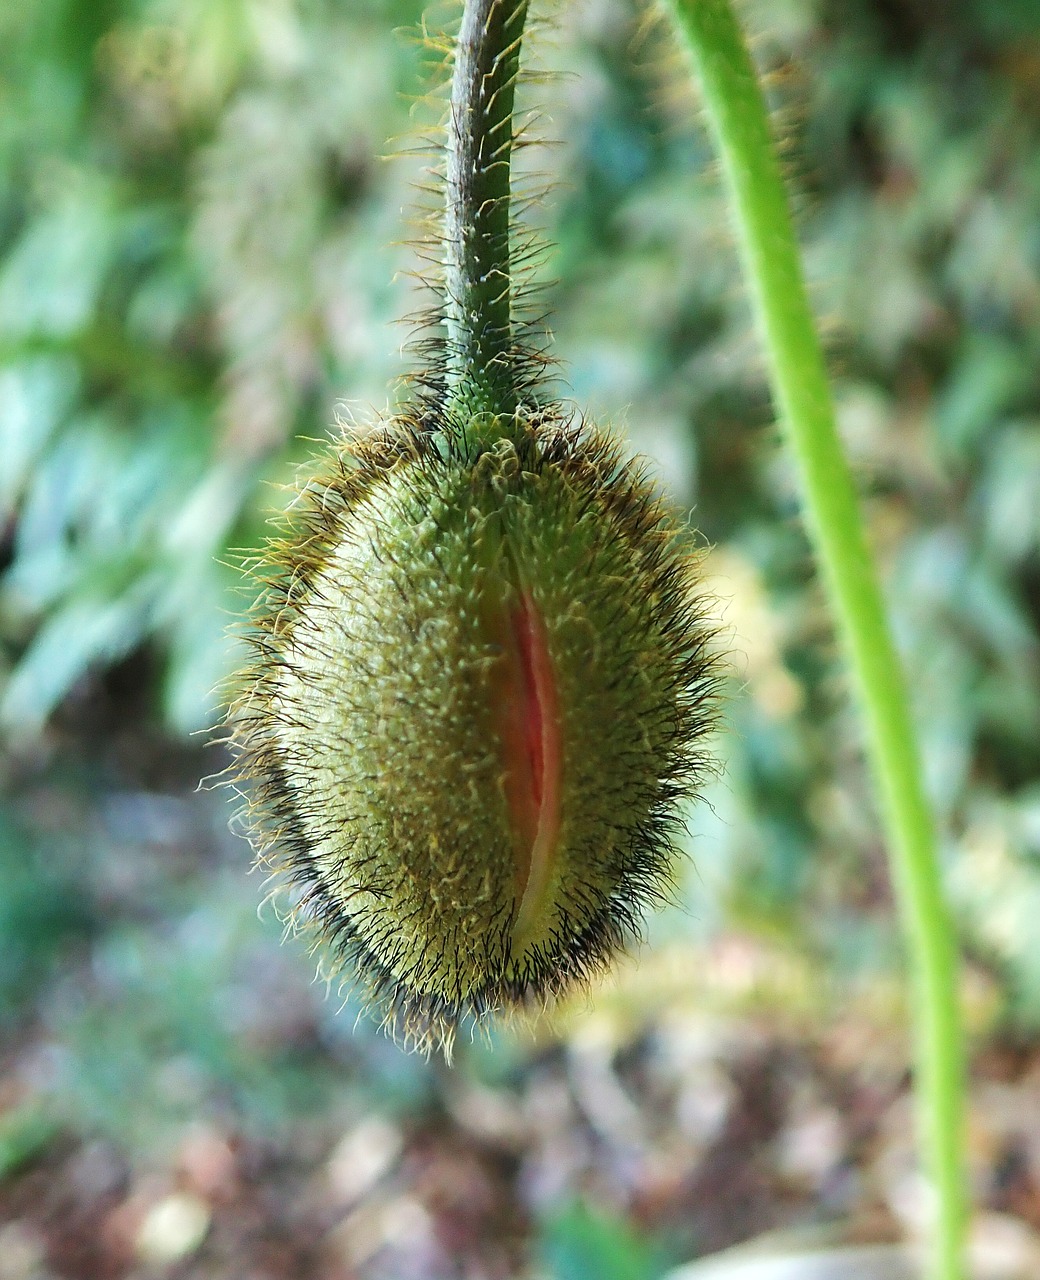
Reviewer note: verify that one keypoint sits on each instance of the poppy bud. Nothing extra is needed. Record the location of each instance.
(478, 702)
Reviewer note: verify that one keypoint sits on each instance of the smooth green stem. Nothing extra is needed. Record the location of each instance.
(739, 121)
(477, 269)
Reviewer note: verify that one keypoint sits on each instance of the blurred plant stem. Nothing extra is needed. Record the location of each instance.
(739, 122)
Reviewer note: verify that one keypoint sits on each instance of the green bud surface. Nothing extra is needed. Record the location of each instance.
(479, 701)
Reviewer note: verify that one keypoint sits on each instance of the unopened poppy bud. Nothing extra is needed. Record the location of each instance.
(480, 697)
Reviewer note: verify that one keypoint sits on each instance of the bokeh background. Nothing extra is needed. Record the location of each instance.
(204, 258)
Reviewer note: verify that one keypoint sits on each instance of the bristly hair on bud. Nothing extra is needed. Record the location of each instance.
(482, 679)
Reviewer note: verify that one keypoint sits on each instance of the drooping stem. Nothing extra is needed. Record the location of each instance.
(739, 121)
(478, 276)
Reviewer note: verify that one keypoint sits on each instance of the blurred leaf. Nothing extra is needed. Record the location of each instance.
(201, 652)
(35, 393)
(24, 1133)
(86, 631)
(580, 1243)
(50, 280)
(984, 383)
(1010, 492)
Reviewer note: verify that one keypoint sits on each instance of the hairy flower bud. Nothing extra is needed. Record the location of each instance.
(478, 702)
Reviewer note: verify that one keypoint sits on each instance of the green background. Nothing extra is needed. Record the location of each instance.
(208, 224)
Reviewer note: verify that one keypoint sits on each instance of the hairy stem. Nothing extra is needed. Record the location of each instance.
(739, 121)
(478, 284)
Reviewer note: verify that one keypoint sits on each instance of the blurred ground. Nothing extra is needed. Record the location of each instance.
(198, 248)
(176, 1099)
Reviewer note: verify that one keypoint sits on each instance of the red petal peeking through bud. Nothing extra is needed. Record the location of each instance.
(529, 728)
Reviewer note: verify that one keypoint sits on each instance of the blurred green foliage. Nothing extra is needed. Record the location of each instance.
(198, 248)
(43, 909)
(580, 1243)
